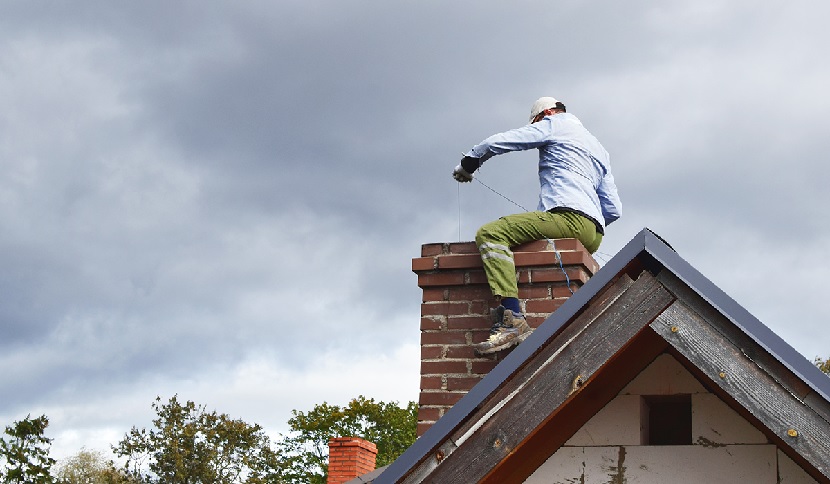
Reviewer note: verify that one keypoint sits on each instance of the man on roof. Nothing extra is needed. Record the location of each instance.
(578, 199)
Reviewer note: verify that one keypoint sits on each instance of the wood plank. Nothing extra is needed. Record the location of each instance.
(739, 338)
(557, 374)
(801, 432)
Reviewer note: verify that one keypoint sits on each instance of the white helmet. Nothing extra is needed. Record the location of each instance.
(540, 105)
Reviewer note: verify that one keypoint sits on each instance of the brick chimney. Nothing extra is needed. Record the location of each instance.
(350, 457)
(457, 303)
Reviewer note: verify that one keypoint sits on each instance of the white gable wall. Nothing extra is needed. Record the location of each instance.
(725, 448)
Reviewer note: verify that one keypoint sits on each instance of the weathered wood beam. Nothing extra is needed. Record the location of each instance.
(736, 336)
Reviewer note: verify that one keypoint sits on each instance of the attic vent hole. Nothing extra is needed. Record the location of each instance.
(667, 420)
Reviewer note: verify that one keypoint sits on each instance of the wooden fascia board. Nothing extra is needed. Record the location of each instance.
(554, 375)
(800, 431)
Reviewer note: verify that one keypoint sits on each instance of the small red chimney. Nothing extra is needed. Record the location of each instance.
(456, 306)
(350, 457)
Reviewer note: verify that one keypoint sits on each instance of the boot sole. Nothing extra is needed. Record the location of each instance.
(504, 346)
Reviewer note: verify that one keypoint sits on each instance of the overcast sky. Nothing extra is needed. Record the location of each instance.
(222, 200)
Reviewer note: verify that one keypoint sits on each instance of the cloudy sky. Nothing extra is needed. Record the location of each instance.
(222, 200)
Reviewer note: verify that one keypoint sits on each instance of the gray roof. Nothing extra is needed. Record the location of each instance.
(645, 251)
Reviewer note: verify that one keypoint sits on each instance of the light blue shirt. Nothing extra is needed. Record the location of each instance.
(574, 168)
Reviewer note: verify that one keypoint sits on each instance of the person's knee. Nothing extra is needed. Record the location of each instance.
(485, 234)
(593, 245)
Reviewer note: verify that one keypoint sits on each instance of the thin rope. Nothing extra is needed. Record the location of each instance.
(459, 211)
(502, 196)
(603, 256)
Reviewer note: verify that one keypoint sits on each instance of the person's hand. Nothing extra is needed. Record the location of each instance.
(461, 175)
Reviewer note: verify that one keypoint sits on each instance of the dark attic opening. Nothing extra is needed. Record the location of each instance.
(667, 420)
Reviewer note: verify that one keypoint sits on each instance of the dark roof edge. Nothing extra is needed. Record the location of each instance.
(655, 254)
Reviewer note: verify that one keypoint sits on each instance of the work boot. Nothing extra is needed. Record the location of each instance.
(508, 330)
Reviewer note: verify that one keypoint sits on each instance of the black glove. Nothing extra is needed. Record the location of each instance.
(463, 173)
(470, 164)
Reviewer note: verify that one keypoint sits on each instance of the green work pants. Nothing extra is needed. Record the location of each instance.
(495, 239)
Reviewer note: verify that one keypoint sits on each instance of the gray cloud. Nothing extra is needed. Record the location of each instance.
(223, 200)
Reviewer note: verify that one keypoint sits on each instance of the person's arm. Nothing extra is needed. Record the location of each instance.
(519, 139)
(609, 199)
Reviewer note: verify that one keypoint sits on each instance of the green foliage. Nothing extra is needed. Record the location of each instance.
(304, 452)
(823, 365)
(25, 455)
(90, 467)
(191, 445)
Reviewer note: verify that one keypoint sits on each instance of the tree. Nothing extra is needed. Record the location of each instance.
(823, 365)
(191, 445)
(304, 452)
(25, 456)
(90, 467)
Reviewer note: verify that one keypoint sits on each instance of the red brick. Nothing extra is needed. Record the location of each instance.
(470, 293)
(525, 259)
(556, 275)
(468, 322)
(431, 383)
(464, 384)
(563, 291)
(445, 308)
(437, 308)
(479, 307)
(443, 338)
(423, 427)
(460, 261)
(350, 457)
(483, 367)
(441, 279)
(435, 294)
(534, 292)
(440, 398)
(535, 321)
(534, 246)
(432, 324)
(443, 367)
(460, 352)
(429, 413)
(463, 248)
(569, 244)
(477, 277)
(580, 259)
(546, 306)
(423, 264)
(432, 352)
(428, 250)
